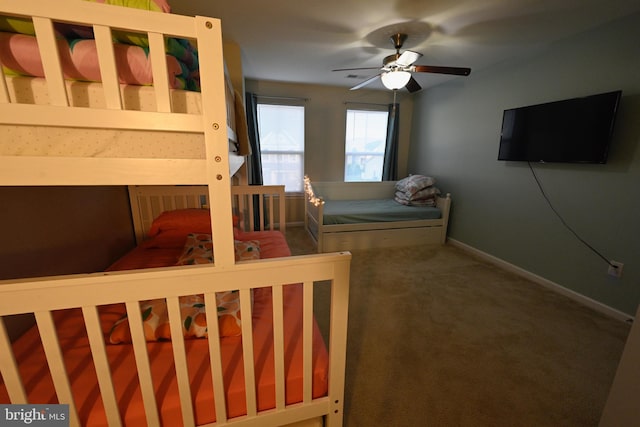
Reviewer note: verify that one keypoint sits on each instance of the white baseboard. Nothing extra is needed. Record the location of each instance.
(584, 300)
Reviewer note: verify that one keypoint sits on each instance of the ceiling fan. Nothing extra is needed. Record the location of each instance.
(396, 69)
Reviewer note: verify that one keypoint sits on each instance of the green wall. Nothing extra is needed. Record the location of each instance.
(497, 207)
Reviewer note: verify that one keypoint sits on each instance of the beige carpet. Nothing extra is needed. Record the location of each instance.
(439, 338)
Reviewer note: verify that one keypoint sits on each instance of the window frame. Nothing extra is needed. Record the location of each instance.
(378, 108)
(286, 102)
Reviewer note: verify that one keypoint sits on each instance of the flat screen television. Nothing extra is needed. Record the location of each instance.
(576, 130)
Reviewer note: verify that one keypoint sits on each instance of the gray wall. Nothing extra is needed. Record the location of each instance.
(497, 207)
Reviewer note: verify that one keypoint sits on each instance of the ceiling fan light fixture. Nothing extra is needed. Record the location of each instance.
(395, 79)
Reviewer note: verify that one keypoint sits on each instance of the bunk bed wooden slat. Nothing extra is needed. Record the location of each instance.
(4, 90)
(103, 370)
(278, 345)
(271, 218)
(49, 115)
(261, 208)
(50, 58)
(52, 349)
(180, 358)
(215, 360)
(146, 222)
(307, 341)
(100, 171)
(108, 69)
(142, 363)
(159, 70)
(247, 353)
(251, 215)
(9, 368)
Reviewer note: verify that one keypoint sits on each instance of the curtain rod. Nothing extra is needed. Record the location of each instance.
(282, 97)
(365, 103)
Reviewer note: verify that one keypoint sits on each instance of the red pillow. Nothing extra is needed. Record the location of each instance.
(170, 228)
(166, 239)
(189, 220)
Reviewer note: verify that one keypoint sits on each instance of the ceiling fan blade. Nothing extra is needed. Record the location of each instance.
(366, 82)
(356, 69)
(413, 86)
(407, 58)
(457, 71)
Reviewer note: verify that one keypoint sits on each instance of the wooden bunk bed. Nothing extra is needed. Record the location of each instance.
(155, 172)
(364, 232)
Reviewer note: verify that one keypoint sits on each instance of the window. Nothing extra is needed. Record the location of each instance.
(364, 145)
(281, 129)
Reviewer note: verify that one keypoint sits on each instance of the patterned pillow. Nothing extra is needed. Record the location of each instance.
(155, 319)
(247, 250)
(414, 183)
(229, 317)
(198, 249)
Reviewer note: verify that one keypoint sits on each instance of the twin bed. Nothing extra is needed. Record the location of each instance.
(363, 215)
(259, 359)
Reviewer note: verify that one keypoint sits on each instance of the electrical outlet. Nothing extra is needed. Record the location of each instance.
(617, 270)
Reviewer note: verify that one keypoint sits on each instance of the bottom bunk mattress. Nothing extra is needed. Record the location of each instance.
(72, 334)
(374, 210)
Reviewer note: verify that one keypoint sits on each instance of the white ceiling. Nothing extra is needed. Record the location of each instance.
(302, 41)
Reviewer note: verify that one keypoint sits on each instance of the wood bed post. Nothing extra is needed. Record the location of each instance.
(338, 342)
(320, 226)
(444, 203)
(214, 113)
(136, 214)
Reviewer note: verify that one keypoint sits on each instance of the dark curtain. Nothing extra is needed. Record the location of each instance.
(255, 162)
(390, 166)
(254, 168)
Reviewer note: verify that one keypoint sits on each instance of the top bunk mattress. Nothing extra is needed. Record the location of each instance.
(374, 210)
(20, 140)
